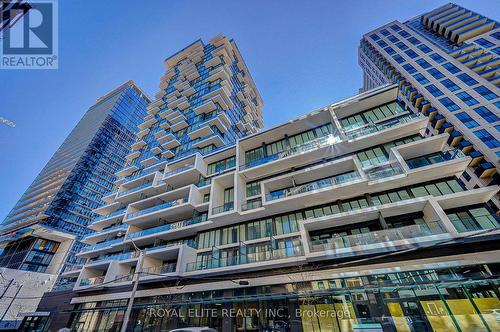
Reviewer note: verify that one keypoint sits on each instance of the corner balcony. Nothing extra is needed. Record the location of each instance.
(107, 259)
(387, 240)
(214, 139)
(105, 246)
(297, 155)
(140, 177)
(183, 175)
(104, 233)
(100, 222)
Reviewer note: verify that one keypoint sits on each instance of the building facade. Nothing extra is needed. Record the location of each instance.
(448, 61)
(43, 232)
(342, 219)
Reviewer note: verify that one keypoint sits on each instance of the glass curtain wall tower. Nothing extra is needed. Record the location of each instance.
(447, 62)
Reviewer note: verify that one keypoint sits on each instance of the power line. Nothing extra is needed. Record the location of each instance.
(7, 122)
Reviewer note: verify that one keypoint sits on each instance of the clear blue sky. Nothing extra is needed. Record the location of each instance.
(302, 56)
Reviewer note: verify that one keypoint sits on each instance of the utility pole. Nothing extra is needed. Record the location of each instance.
(138, 270)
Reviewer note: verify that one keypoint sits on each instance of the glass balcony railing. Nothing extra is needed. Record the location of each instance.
(384, 171)
(115, 257)
(92, 281)
(112, 214)
(204, 182)
(434, 158)
(381, 236)
(248, 258)
(312, 186)
(166, 227)
(371, 128)
(250, 205)
(229, 206)
(155, 270)
(122, 193)
(157, 207)
(105, 230)
(178, 170)
(124, 277)
(298, 149)
(101, 245)
(140, 174)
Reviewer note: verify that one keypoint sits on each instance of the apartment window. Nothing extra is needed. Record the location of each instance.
(485, 92)
(382, 43)
(393, 39)
(496, 50)
(467, 219)
(449, 104)
(398, 58)
(436, 57)
(228, 195)
(450, 85)
(411, 53)
(435, 73)
(395, 27)
(414, 40)
(402, 46)
(451, 68)
(385, 32)
(404, 34)
(496, 35)
(487, 138)
(390, 50)
(253, 189)
(422, 63)
(467, 79)
(467, 120)
(421, 78)
(484, 43)
(434, 90)
(409, 68)
(467, 98)
(220, 166)
(374, 36)
(486, 114)
(424, 48)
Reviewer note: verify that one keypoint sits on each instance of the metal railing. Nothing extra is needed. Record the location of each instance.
(223, 208)
(250, 205)
(163, 269)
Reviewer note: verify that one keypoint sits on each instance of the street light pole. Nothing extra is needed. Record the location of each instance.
(126, 317)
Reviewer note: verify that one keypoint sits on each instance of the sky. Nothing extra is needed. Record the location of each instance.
(302, 55)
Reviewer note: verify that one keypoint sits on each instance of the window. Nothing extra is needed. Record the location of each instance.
(467, 219)
(414, 40)
(450, 85)
(404, 34)
(411, 54)
(395, 27)
(467, 98)
(382, 43)
(253, 189)
(434, 90)
(436, 57)
(421, 78)
(424, 48)
(496, 50)
(398, 58)
(435, 73)
(374, 37)
(385, 32)
(402, 46)
(390, 50)
(449, 104)
(467, 120)
(496, 35)
(393, 39)
(485, 92)
(467, 79)
(409, 68)
(451, 68)
(487, 139)
(422, 63)
(484, 43)
(486, 114)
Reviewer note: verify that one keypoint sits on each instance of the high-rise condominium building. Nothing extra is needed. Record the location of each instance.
(448, 62)
(42, 233)
(343, 219)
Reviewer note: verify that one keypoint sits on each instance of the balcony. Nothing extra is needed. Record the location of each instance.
(159, 270)
(249, 258)
(105, 232)
(251, 205)
(140, 175)
(434, 158)
(165, 205)
(292, 151)
(115, 257)
(376, 241)
(384, 171)
(91, 281)
(167, 227)
(109, 217)
(371, 128)
(130, 191)
(313, 186)
(102, 245)
(226, 207)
